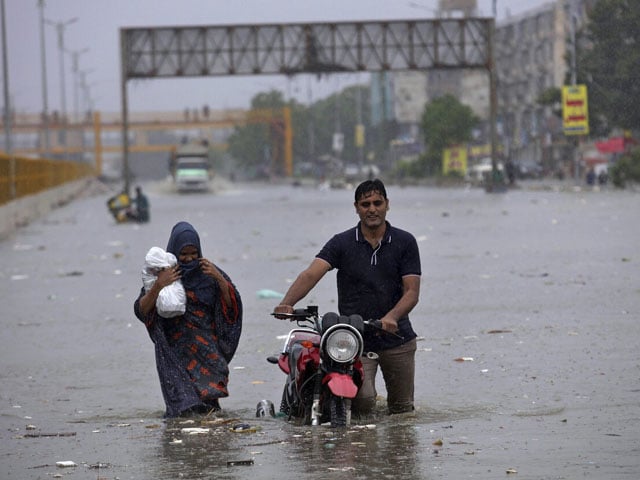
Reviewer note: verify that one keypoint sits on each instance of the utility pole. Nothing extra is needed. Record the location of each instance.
(574, 80)
(43, 63)
(75, 68)
(7, 109)
(359, 134)
(5, 80)
(60, 26)
(311, 126)
(493, 104)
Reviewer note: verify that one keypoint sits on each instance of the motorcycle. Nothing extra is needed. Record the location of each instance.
(321, 358)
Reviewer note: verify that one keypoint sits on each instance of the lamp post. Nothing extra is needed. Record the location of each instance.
(496, 181)
(5, 76)
(79, 130)
(86, 90)
(60, 26)
(43, 63)
(7, 109)
(86, 104)
(75, 68)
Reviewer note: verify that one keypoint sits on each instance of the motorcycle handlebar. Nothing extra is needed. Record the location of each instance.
(310, 314)
(297, 314)
(377, 325)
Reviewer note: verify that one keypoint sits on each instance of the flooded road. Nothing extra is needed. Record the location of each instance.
(527, 362)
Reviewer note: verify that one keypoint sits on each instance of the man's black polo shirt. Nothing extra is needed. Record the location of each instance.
(370, 280)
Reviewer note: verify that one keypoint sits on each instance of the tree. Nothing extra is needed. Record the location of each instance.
(250, 145)
(626, 170)
(611, 66)
(552, 97)
(445, 122)
(340, 110)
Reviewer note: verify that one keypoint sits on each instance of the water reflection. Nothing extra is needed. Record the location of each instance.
(364, 451)
(218, 451)
(381, 446)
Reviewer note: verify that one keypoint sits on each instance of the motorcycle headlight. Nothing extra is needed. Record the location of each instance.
(342, 346)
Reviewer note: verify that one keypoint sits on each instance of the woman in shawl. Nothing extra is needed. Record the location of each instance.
(193, 350)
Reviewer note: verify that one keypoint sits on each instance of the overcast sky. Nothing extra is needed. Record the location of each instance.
(94, 25)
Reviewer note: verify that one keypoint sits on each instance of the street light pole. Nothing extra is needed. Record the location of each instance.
(574, 80)
(60, 26)
(43, 62)
(7, 110)
(86, 91)
(75, 68)
(5, 76)
(493, 104)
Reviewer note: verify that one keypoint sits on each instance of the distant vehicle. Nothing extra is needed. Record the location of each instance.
(528, 169)
(482, 170)
(190, 168)
(354, 172)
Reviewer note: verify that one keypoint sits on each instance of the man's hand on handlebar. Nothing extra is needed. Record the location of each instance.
(282, 309)
(389, 324)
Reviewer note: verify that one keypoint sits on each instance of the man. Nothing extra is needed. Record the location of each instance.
(140, 213)
(378, 278)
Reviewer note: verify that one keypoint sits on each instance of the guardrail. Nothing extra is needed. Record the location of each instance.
(21, 176)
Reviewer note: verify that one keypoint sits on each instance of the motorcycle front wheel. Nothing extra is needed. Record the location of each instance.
(338, 408)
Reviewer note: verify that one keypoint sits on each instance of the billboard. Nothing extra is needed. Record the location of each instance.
(454, 159)
(575, 110)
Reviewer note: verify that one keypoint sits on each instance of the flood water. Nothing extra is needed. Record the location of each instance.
(538, 290)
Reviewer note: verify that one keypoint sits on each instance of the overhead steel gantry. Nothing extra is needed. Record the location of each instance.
(289, 49)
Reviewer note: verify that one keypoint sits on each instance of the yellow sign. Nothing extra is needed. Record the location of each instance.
(359, 135)
(575, 110)
(454, 160)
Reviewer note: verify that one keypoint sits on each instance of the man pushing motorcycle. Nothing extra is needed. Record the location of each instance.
(378, 277)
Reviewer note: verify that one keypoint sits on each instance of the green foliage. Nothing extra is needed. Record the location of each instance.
(313, 128)
(339, 112)
(250, 145)
(611, 66)
(626, 170)
(445, 122)
(550, 97)
(429, 164)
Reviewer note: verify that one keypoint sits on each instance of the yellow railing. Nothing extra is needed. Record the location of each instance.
(20, 176)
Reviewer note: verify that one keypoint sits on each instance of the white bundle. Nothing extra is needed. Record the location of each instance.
(172, 299)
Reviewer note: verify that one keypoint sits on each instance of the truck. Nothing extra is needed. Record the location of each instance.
(191, 168)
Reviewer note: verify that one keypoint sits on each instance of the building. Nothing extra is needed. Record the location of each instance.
(531, 53)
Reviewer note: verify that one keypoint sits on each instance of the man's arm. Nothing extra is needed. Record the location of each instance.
(409, 299)
(306, 280)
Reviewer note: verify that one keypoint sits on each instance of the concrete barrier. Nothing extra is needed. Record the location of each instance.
(24, 210)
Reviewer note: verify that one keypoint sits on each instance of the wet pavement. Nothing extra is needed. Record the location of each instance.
(527, 364)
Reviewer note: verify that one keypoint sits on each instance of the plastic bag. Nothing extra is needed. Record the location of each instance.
(172, 299)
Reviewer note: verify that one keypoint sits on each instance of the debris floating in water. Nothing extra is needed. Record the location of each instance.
(243, 428)
(266, 293)
(234, 463)
(195, 430)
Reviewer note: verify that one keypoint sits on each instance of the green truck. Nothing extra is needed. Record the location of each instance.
(191, 168)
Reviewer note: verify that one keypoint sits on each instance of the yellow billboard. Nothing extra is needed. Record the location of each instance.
(575, 110)
(454, 159)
